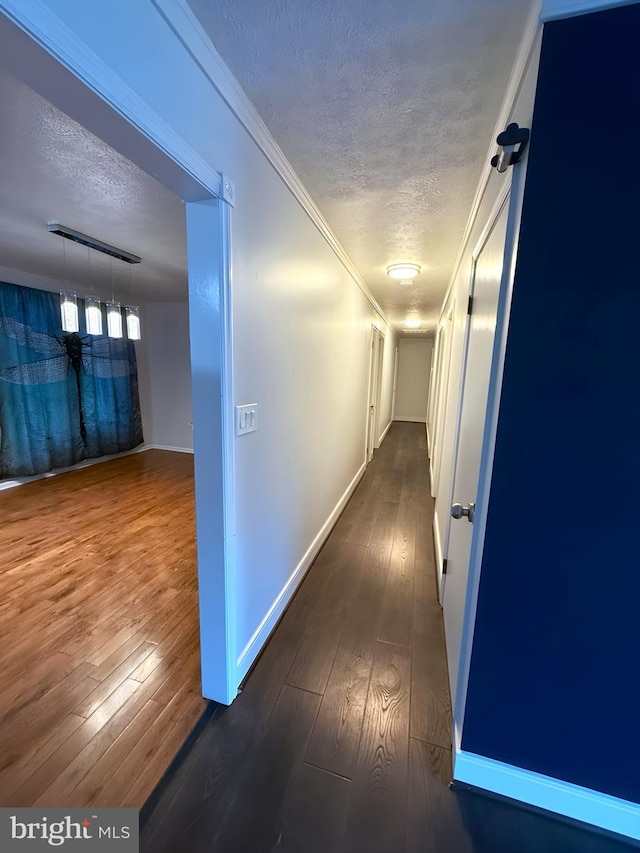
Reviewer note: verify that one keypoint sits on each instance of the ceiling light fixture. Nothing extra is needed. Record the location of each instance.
(403, 270)
(412, 324)
(93, 305)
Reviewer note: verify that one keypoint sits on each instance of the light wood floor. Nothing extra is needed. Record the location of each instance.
(99, 648)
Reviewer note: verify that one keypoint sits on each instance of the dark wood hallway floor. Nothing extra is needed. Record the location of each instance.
(340, 740)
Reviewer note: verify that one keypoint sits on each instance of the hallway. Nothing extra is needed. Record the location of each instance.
(340, 740)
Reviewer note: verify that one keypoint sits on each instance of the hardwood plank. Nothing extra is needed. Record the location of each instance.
(312, 666)
(336, 735)
(268, 775)
(164, 751)
(430, 699)
(434, 822)
(377, 813)
(316, 814)
(397, 610)
(22, 766)
(123, 777)
(381, 542)
(124, 660)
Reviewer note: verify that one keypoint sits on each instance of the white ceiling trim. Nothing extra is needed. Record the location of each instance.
(188, 29)
(530, 37)
(49, 31)
(552, 10)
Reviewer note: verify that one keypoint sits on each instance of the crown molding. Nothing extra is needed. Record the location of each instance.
(190, 32)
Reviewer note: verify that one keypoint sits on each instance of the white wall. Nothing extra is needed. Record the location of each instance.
(164, 369)
(412, 390)
(301, 323)
(302, 338)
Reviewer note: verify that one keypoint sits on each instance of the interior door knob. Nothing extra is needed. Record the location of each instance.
(468, 512)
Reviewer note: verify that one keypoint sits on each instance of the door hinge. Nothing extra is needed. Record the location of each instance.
(470, 305)
(444, 567)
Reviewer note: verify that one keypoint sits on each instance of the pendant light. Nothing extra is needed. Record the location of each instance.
(114, 314)
(114, 319)
(69, 311)
(68, 302)
(93, 315)
(92, 306)
(132, 314)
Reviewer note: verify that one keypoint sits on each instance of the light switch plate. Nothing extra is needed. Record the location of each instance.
(246, 418)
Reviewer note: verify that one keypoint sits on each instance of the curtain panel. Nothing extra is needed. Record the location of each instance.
(63, 397)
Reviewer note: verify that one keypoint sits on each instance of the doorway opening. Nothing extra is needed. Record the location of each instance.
(103, 684)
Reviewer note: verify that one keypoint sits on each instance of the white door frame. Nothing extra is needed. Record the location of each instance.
(395, 382)
(375, 387)
(441, 393)
(40, 50)
(433, 390)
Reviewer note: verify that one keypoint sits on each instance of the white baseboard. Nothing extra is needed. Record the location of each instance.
(384, 434)
(411, 420)
(261, 634)
(166, 447)
(85, 463)
(553, 795)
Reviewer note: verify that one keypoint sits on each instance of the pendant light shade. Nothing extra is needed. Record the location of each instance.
(114, 320)
(132, 314)
(93, 315)
(69, 312)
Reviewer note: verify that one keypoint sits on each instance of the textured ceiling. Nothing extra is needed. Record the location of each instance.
(385, 109)
(53, 170)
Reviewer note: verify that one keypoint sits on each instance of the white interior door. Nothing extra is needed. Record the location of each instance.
(487, 273)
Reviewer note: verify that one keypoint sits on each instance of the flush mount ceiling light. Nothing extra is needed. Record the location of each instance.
(412, 324)
(403, 270)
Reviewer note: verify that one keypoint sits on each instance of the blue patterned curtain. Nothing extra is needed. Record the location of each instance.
(63, 397)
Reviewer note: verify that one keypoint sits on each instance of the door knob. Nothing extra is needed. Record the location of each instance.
(459, 511)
